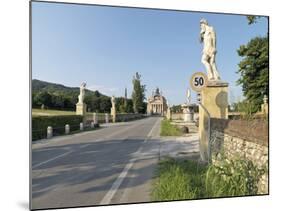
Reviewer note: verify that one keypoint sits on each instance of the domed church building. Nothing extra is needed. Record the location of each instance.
(156, 104)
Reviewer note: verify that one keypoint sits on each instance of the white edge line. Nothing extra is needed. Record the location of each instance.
(110, 194)
(47, 161)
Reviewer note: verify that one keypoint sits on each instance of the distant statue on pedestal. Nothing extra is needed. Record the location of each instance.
(113, 102)
(188, 96)
(113, 111)
(82, 93)
(208, 37)
(81, 107)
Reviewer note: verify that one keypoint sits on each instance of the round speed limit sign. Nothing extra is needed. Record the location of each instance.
(198, 81)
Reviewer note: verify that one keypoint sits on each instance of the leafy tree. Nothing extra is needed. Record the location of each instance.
(176, 109)
(43, 98)
(129, 106)
(138, 95)
(254, 70)
(252, 19)
(105, 104)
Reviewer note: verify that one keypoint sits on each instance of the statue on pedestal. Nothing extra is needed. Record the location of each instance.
(208, 37)
(113, 102)
(82, 93)
(188, 96)
(81, 107)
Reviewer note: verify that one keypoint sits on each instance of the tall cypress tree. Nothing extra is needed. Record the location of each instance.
(138, 94)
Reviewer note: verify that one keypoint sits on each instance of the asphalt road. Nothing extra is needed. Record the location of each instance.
(112, 165)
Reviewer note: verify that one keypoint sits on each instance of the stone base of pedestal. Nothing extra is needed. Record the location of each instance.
(214, 97)
(188, 117)
(113, 114)
(81, 109)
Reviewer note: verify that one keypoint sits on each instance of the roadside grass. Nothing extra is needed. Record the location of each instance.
(187, 179)
(49, 112)
(167, 129)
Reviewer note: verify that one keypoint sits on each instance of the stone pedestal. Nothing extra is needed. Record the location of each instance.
(214, 97)
(187, 113)
(81, 109)
(113, 114)
(168, 115)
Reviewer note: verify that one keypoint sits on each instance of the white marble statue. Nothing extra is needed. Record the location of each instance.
(188, 96)
(208, 37)
(113, 102)
(82, 93)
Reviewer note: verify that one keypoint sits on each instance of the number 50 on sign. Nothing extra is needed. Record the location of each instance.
(198, 81)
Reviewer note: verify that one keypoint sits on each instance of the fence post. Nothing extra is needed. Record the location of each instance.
(81, 126)
(95, 118)
(67, 129)
(106, 118)
(49, 132)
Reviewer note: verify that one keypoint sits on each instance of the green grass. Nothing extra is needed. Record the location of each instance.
(186, 179)
(167, 129)
(48, 112)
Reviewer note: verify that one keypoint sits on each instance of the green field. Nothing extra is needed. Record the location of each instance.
(48, 112)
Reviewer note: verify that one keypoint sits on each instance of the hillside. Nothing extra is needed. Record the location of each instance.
(58, 96)
(59, 89)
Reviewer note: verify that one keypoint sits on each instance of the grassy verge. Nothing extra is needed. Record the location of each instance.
(186, 179)
(49, 112)
(167, 129)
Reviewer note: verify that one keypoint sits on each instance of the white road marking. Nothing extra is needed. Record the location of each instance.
(110, 194)
(66, 153)
(54, 158)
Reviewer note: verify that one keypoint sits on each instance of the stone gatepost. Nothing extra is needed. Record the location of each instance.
(214, 98)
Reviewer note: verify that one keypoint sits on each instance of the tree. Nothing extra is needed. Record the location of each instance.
(138, 95)
(252, 19)
(43, 98)
(254, 70)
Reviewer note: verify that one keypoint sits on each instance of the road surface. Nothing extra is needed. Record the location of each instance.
(112, 165)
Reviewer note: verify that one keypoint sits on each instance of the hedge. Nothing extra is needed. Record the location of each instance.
(40, 124)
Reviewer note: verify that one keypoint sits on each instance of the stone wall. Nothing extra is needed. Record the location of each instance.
(244, 140)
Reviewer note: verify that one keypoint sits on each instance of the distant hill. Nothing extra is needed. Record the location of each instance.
(58, 96)
(59, 89)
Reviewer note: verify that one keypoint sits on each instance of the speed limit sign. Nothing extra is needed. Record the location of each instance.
(198, 81)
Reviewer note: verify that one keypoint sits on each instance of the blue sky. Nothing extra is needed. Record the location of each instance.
(105, 46)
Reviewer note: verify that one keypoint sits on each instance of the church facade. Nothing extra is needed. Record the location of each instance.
(157, 104)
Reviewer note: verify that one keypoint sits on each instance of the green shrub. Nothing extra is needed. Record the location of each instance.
(186, 179)
(233, 178)
(167, 129)
(40, 124)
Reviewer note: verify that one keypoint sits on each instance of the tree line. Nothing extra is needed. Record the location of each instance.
(47, 95)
